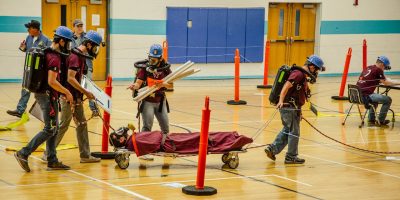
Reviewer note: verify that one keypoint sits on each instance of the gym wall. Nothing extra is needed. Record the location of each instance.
(136, 24)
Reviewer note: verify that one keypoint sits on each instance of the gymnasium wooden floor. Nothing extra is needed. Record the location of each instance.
(331, 171)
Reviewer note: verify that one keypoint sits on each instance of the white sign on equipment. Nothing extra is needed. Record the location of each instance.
(101, 97)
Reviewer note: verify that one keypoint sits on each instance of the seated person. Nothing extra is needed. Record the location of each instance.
(369, 79)
(181, 143)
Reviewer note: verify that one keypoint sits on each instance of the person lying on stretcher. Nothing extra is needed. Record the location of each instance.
(180, 143)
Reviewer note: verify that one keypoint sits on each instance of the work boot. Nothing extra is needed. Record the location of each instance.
(295, 160)
(371, 123)
(14, 113)
(91, 159)
(57, 166)
(22, 161)
(384, 123)
(269, 152)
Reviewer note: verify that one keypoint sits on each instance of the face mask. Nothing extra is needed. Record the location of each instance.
(118, 138)
(66, 49)
(94, 51)
(153, 61)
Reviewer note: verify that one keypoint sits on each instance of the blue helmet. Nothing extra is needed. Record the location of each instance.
(385, 61)
(64, 32)
(316, 61)
(155, 51)
(93, 36)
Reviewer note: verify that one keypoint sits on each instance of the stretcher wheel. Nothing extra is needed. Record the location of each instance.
(233, 162)
(122, 160)
(225, 158)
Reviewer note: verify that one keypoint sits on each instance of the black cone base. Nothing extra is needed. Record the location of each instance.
(264, 86)
(233, 102)
(340, 98)
(192, 190)
(104, 155)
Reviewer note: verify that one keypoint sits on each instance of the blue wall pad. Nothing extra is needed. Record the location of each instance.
(197, 35)
(236, 33)
(177, 34)
(216, 35)
(254, 34)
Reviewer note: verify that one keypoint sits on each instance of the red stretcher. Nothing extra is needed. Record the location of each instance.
(229, 144)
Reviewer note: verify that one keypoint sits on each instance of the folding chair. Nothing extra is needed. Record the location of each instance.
(355, 97)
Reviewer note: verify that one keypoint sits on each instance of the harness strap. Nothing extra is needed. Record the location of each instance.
(134, 144)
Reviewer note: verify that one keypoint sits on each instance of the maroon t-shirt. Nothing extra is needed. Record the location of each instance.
(142, 74)
(53, 63)
(298, 91)
(76, 63)
(369, 79)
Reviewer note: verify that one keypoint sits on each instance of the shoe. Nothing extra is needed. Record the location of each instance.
(23, 161)
(383, 124)
(270, 154)
(295, 160)
(14, 113)
(91, 159)
(57, 166)
(372, 123)
(146, 157)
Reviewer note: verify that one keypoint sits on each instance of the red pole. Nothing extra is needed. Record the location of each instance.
(364, 54)
(237, 68)
(266, 62)
(106, 123)
(344, 77)
(345, 72)
(199, 189)
(236, 100)
(203, 146)
(165, 50)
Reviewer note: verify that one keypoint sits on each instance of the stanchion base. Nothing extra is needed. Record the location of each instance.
(264, 86)
(192, 190)
(104, 155)
(233, 102)
(340, 98)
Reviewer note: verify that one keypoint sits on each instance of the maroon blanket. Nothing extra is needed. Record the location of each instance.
(185, 143)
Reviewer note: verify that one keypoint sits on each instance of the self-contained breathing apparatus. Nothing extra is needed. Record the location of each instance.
(150, 70)
(35, 70)
(280, 80)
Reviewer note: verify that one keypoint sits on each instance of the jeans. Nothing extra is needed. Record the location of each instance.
(386, 101)
(148, 112)
(23, 101)
(49, 132)
(81, 127)
(92, 105)
(290, 133)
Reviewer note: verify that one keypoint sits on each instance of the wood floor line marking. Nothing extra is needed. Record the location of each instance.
(111, 185)
(352, 166)
(216, 179)
(54, 183)
(103, 182)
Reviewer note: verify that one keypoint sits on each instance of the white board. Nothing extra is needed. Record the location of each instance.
(102, 99)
